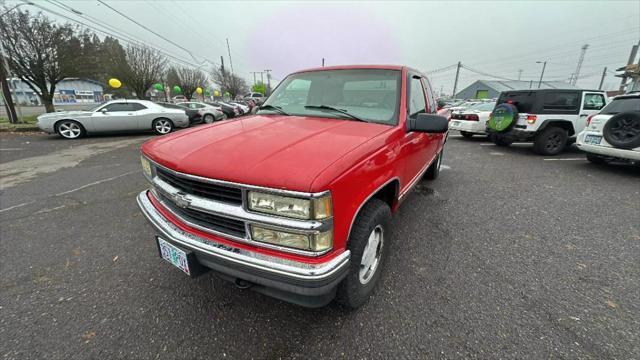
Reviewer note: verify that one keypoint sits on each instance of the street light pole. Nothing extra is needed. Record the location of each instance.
(544, 65)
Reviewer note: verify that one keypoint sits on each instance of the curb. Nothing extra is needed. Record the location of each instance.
(21, 129)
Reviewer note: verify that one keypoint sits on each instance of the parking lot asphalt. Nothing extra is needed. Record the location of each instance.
(506, 255)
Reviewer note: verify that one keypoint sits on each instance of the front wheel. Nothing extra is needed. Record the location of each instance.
(70, 129)
(368, 246)
(162, 126)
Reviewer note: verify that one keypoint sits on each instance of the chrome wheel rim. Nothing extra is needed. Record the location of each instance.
(163, 126)
(371, 255)
(70, 130)
(208, 119)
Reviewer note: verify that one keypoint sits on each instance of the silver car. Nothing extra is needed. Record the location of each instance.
(113, 116)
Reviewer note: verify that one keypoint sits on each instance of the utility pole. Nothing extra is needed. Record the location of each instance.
(322, 62)
(632, 57)
(604, 73)
(222, 64)
(544, 66)
(262, 77)
(455, 83)
(254, 76)
(229, 51)
(6, 87)
(519, 74)
(268, 71)
(576, 74)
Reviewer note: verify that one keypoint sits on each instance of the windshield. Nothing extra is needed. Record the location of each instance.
(369, 94)
(622, 105)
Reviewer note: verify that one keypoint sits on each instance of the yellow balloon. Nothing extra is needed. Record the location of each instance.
(199, 90)
(216, 93)
(115, 83)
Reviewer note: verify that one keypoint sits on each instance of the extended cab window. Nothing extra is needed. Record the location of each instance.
(417, 102)
(372, 95)
(136, 106)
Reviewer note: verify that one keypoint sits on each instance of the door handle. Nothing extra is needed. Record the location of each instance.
(583, 115)
(130, 114)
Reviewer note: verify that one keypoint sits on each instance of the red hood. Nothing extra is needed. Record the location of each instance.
(285, 152)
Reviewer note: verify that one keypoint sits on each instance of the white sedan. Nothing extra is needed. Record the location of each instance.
(114, 116)
(614, 133)
(472, 120)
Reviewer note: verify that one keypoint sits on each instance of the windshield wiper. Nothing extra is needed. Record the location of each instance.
(331, 108)
(278, 109)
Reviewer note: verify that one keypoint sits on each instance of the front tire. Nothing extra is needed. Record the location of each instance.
(467, 135)
(70, 129)
(551, 141)
(162, 126)
(368, 246)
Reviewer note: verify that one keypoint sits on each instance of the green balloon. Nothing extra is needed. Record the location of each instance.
(207, 92)
(158, 86)
(177, 89)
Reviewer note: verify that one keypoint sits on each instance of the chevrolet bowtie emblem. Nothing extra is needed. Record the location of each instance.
(181, 200)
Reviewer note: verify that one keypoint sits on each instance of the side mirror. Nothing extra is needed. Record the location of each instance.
(103, 110)
(428, 123)
(441, 104)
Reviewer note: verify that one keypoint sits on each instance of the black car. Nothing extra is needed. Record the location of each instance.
(229, 110)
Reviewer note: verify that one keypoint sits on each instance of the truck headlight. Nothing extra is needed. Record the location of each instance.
(319, 208)
(146, 168)
(315, 242)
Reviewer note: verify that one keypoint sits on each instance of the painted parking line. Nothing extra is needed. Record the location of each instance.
(566, 159)
(11, 149)
(445, 167)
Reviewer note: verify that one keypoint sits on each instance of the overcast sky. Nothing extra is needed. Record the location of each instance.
(494, 37)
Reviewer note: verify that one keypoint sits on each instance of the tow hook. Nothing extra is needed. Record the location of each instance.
(243, 284)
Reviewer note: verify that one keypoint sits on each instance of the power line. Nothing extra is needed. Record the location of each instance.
(123, 38)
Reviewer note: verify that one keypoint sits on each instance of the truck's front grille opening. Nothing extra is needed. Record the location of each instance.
(220, 193)
(214, 222)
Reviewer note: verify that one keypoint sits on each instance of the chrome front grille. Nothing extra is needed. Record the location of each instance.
(215, 192)
(213, 222)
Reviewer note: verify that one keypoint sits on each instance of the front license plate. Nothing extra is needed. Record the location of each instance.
(174, 255)
(593, 139)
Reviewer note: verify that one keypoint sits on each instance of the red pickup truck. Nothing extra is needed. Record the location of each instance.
(295, 201)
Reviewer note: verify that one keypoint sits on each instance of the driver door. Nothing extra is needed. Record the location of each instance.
(117, 116)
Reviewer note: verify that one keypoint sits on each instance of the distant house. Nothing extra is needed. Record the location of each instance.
(489, 89)
(68, 91)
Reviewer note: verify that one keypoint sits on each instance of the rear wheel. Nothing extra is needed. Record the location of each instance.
(208, 119)
(367, 243)
(597, 159)
(70, 129)
(466, 134)
(162, 126)
(551, 141)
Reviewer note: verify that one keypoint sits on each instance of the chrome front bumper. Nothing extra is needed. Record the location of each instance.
(287, 275)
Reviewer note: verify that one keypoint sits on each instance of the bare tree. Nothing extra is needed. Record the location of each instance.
(229, 82)
(39, 51)
(190, 79)
(140, 68)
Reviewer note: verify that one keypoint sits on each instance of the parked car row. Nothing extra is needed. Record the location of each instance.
(140, 115)
(553, 118)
